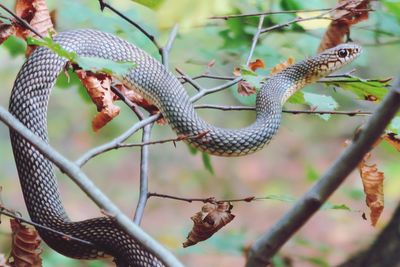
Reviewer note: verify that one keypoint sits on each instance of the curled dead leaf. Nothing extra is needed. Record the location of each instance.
(140, 101)
(98, 88)
(372, 180)
(349, 12)
(236, 72)
(211, 218)
(36, 13)
(25, 246)
(281, 66)
(245, 88)
(257, 64)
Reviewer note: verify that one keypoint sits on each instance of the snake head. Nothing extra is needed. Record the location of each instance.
(334, 58)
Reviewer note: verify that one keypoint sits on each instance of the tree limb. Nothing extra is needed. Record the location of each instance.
(144, 174)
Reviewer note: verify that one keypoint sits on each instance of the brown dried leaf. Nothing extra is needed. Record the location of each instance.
(211, 218)
(254, 65)
(98, 88)
(237, 72)
(372, 180)
(6, 30)
(36, 13)
(245, 88)
(281, 66)
(25, 246)
(349, 13)
(393, 140)
(140, 101)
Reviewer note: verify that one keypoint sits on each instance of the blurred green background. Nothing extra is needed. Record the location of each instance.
(302, 150)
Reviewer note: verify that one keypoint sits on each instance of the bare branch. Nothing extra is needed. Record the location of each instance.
(268, 13)
(255, 39)
(115, 142)
(204, 200)
(163, 141)
(12, 214)
(188, 79)
(104, 4)
(144, 171)
(166, 49)
(127, 101)
(296, 20)
(93, 192)
(297, 111)
(270, 242)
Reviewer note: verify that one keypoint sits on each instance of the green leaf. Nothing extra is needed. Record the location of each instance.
(95, 64)
(192, 149)
(15, 46)
(86, 63)
(153, 4)
(330, 206)
(364, 89)
(297, 98)
(207, 162)
(311, 174)
(354, 193)
(393, 7)
(315, 261)
(320, 102)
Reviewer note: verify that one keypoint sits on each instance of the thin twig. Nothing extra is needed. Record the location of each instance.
(292, 111)
(144, 171)
(11, 214)
(166, 49)
(127, 101)
(270, 242)
(188, 79)
(104, 4)
(115, 142)
(215, 77)
(299, 19)
(226, 17)
(296, 20)
(204, 200)
(163, 141)
(255, 39)
(87, 186)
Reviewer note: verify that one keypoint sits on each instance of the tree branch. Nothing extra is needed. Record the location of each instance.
(11, 214)
(104, 4)
(115, 142)
(270, 242)
(255, 39)
(166, 49)
(144, 170)
(93, 192)
(296, 111)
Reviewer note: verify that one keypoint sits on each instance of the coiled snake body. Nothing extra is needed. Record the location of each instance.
(29, 101)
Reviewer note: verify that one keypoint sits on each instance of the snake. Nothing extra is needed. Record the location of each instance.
(29, 104)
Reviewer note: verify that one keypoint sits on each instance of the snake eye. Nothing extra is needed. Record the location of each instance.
(343, 53)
